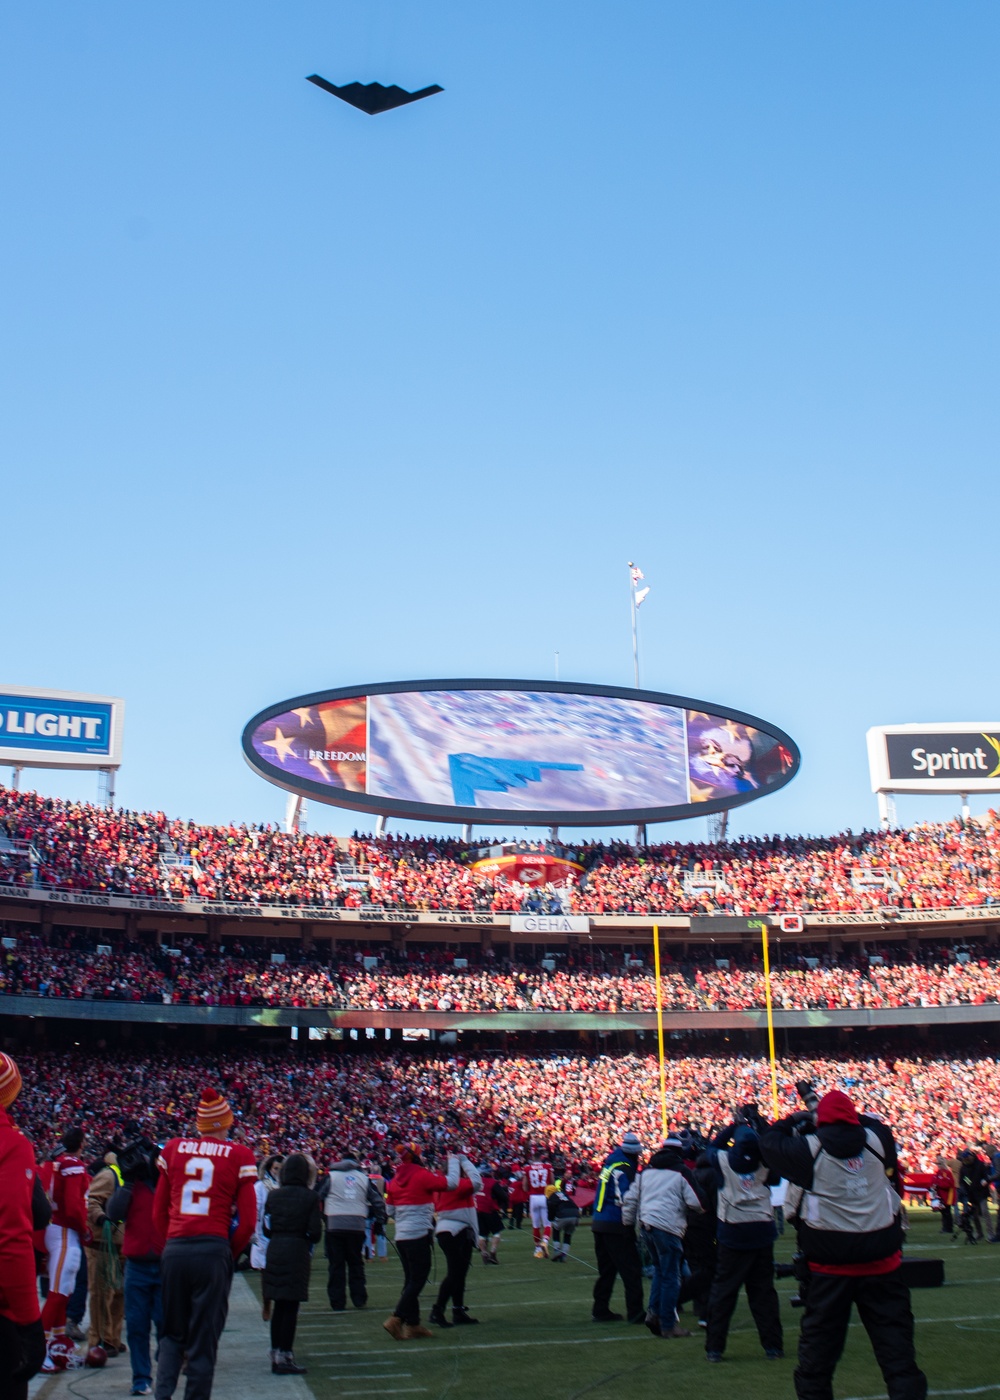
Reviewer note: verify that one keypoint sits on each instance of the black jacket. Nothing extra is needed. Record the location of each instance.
(974, 1179)
(292, 1224)
(788, 1153)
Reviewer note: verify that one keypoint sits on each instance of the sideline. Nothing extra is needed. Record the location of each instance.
(243, 1371)
(970, 1390)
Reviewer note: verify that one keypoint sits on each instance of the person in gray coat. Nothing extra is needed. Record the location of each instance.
(292, 1225)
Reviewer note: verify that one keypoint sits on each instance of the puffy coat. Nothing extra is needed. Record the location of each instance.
(410, 1196)
(292, 1224)
(661, 1196)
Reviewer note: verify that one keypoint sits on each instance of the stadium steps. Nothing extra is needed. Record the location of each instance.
(350, 876)
(24, 851)
(172, 862)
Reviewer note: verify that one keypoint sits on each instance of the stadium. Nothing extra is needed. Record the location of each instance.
(369, 989)
(428, 969)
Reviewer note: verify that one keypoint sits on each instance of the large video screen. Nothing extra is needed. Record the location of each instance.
(554, 752)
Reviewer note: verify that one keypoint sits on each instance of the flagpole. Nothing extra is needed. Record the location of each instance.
(770, 1016)
(635, 628)
(659, 1029)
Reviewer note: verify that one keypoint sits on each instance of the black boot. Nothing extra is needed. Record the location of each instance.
(284, 1364)
(460, 1317)
(437, 1317)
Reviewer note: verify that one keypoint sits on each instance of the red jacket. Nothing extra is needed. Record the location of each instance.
(943, 1186)
(460, 1199)
(143, 1239)
(414, 1186)
(18, 1291)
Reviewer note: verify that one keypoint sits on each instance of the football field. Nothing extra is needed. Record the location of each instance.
(536, 1340)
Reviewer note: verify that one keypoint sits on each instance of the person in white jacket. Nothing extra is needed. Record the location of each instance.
(659, 1199)
(267, 1181)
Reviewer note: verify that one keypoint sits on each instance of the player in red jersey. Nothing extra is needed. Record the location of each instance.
(23, 1208)
(490, 1200)
(203, 1182)
(64, 1235)
(537, 1175)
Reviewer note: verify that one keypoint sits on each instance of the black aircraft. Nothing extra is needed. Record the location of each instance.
(373, 98)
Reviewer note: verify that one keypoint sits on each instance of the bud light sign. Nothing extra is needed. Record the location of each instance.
(48, 728)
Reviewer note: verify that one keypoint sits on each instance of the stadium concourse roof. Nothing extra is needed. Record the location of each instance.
(218, 919)
(516, 1022)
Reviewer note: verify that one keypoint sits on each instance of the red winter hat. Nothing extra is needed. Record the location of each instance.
(836, 1107)
(10, 1081)
(214, 1114)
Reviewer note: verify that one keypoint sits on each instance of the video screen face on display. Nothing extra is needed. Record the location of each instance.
(551, 752)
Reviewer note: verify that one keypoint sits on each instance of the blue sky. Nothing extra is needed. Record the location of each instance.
(296, 398)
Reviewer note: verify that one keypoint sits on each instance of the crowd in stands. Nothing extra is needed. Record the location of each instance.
(503, 1107)
(80, 846)
(78, 966)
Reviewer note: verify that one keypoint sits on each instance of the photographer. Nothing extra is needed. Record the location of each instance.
(850, 1232)
(142, 1244)
(349, 1197)
(746, 1233)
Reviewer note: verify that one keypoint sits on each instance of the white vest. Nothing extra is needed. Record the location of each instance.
(744, 1200)
(348, 1196)
(851, 1195)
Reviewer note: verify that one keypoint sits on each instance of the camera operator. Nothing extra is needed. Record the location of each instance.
(850, 1231)
(142, 1245)
(973, 1195)
(746, 1233)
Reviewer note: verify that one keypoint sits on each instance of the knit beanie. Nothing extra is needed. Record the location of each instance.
(836, 1107)
(631, 1145)
(214, 1113)
(10, 1081)
(744, 1155)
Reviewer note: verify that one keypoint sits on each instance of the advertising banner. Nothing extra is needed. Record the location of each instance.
(959, 758)
(549, 923)
(59, 729)
(532, 752)
(519, 923)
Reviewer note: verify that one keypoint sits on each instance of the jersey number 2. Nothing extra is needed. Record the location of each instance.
(195, 1196)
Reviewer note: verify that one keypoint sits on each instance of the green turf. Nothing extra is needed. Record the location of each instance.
(536, 1340)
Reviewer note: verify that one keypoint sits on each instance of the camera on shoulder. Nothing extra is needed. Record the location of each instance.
(137, 1160)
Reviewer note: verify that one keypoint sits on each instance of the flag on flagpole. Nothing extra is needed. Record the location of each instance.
(637, 574)
(640, 595)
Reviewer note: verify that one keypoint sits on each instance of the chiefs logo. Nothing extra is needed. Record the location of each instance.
(854, 1164)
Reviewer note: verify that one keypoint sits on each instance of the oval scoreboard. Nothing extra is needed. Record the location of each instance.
(528, 753)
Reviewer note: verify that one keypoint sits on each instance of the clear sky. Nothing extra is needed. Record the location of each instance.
(296, 398)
